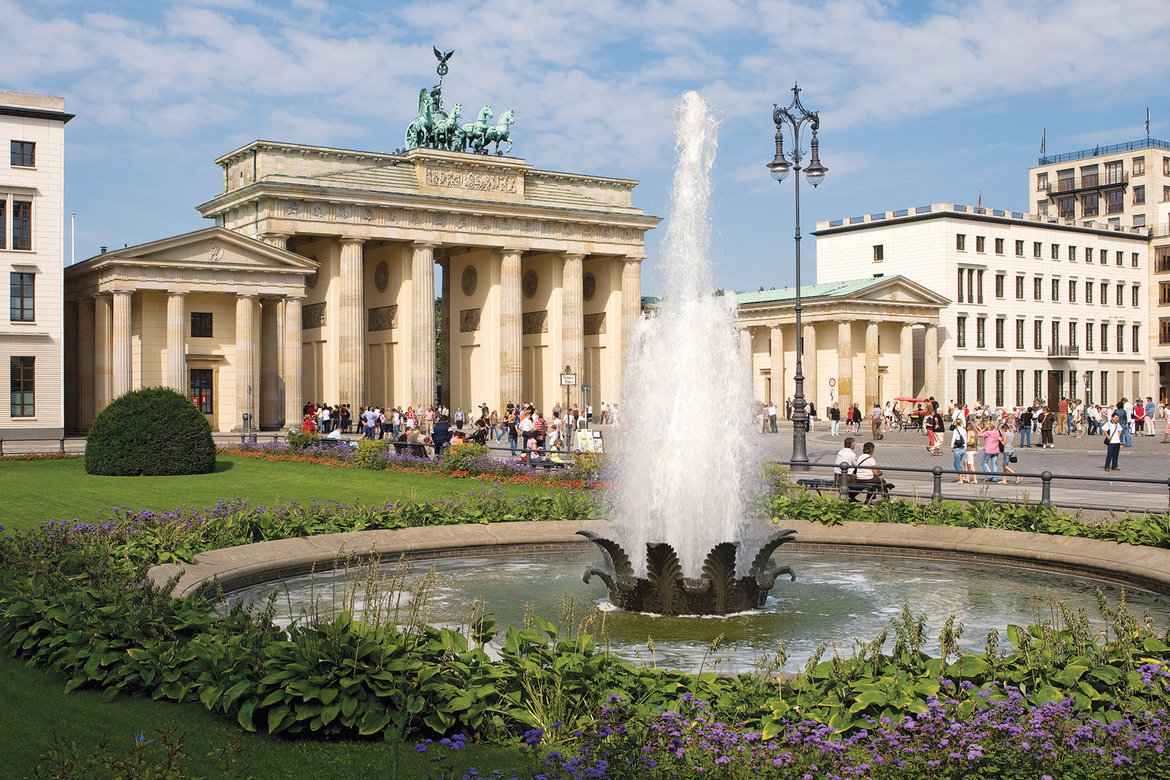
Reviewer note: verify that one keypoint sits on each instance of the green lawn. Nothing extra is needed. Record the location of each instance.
(34, 708)
(39, 490)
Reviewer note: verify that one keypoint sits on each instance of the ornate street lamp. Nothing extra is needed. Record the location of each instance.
(795, 117)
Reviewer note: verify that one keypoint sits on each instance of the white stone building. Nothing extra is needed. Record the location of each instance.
(32, 193)
(1039, 307)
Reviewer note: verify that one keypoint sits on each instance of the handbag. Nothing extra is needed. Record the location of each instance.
(1012, 458)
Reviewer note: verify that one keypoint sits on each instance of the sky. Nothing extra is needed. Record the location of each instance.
(920, 102)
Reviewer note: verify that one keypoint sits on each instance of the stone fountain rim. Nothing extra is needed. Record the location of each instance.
(238, 567)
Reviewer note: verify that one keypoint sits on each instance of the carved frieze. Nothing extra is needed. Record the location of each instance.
(313, 316)
(381, 318)
(469, 320)
(535, 322)
(291, 208)
(595, 324)
(474, 180)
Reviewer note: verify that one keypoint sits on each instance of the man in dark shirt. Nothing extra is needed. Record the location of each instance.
(441, 434)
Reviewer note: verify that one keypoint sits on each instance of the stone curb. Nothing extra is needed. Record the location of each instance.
(237, 567)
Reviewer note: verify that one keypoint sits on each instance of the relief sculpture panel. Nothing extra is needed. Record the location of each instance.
(595, 324)
(313, 316)
(535, 322)
(469, 320)
(382, 318)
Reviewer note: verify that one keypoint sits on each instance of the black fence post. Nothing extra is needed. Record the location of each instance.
(62, 442)
(937, 494)
(1046, 488)
(1, 447)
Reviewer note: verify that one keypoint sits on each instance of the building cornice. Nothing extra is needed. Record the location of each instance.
(35, 113)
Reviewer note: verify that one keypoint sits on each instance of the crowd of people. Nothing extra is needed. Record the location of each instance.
(530, 435)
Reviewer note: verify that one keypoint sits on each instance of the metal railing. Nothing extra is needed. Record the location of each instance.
(1145, 143)
(937, 472)
(60, 443)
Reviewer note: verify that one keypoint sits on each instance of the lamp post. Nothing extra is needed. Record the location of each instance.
(795, 117)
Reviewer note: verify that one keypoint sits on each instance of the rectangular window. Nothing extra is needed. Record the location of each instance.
(23, 376)
(1104, 257)
(1020, 246)
(1055, 251)
(961, 386)
(1137, 347)
(1066, 207)
(1139, 195)
(1139, 166)
(981, 332)
(1037, 289)
(1104, 336)
(202, 389)
(1019, 387)
(1038, 334)
(24, 154)
(1042, 181)
(980, 243)
(1120, 294)
(1104, 387)
(1088, 337)
(960, 242)
(1042, 208)
(1137, 294)
(980, 385)
(1113, 173)
(1114, 201)
(1161, 258)
(1020, 288)
(1089, 387)
(1163, 293)
(979, 287)
(999, 246)
(961, 331)
(999, 387)
(20, 297)
(1134, 259)
(1037, 384)
(1019, 334)
(3, 222)
(1163, 330)
(200, 324)
(959, 298)
(1000, 327)
(999, 284)
(1120, 331)
(879, 253)
(1072, 254)
(1120, 258)
(1088, 292)
(1056, 289)
(1072, 334)
(1072, 291)
(1037, 248)
(1091, 205)
(1165, 193)
(970, 285)
(1055, 334)
(21, 224)
(1105, 293)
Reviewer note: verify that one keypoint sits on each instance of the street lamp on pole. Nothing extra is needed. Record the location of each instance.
(795, 117)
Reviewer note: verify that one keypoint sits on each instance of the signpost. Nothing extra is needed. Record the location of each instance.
(568, 379)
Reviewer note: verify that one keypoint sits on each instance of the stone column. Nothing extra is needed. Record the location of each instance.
(245, 363)
(278, 240)
(930, 365)
(871, 365)
(351, 319)
(85, 357)
(845, 362)
(573, 318)
(776, 366)
(631, 311)
(811, 388)
(121, 371)
(101, 352)
(271, 408)
(422, 326)
(746, 353)
(446, 337)
(511, 339)
(291, 351)
(177, 342)
(906, 362)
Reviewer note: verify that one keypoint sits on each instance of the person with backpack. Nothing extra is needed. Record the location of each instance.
(959, 447)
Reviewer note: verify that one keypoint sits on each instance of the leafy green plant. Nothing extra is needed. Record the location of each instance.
(153, 431)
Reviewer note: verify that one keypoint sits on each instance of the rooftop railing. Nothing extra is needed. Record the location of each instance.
(1097, 151)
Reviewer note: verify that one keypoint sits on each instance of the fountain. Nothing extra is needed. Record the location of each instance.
(679, 490)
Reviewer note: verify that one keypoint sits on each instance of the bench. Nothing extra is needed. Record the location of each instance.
(817, 484)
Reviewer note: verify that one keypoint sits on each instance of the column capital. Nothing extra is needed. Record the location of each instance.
(278, 240)
(244, 295)
(574, 255)
(177, 293)
(347, 241)
(424, 245)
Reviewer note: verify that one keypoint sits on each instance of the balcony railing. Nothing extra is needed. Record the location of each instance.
(1071, 185)
(1059, 351)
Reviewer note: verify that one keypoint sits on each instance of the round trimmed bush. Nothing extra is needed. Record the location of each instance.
(150, 432)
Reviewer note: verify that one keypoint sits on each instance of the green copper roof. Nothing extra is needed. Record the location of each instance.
(823, 290)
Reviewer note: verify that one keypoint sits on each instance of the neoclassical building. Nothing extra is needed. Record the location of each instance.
(865, 341)
(319, 283)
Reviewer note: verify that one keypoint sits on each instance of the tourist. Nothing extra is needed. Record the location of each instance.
(1062, 416)
(459, 417)
(1166, 418)
(441, 434)
(834, 420)
(969, 451)
(888, 416)
(1112, 432)
(992, 446)
(845, 466)
(1009, 450)
(959, 448)
(928, 424)
(307, 425)
(1151, 416)
(857, 420)
(1123, 418)
(869, 476)
(772, 414)
(1139, 418)
(1047, 423)
(875, 421)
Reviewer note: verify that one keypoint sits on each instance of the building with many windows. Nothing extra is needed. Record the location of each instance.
(32, 188)
(1039, 307)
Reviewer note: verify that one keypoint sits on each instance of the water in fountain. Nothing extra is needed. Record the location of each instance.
(684, 453)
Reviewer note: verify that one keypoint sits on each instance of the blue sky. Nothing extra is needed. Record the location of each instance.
(920, 101)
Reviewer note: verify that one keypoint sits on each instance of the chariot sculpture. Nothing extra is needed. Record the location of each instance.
(434, 128)
(665, 591)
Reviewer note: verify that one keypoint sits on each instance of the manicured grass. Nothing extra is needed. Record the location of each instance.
(34, 708)
(39, 490)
